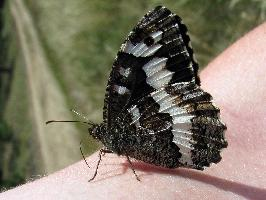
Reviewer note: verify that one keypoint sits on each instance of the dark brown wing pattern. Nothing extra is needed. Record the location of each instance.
(154, 80)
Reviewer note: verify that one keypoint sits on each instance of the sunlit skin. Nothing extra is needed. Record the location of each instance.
(237, 81)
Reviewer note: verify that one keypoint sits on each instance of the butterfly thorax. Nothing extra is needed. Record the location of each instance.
(113, 137)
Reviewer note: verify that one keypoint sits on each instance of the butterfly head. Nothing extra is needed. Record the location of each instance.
(97, 131)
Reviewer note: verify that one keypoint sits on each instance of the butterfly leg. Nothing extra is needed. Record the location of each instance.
(101, 152)
(104, 151)
(131, 166)
(80, 148)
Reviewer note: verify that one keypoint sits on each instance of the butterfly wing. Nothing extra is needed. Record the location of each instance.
(154, 80)
(158, 39)
(185, 114)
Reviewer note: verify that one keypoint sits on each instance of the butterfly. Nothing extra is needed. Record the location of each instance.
(154, 109)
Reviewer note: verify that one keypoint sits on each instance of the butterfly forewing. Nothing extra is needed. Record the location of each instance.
(154, 82)
(157, 41)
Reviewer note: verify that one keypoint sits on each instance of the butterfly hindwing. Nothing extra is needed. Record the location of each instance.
(186, 112)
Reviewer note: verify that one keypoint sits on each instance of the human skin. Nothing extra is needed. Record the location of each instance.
(237, 81)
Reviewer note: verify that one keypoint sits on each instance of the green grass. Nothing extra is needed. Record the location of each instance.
(18, 162)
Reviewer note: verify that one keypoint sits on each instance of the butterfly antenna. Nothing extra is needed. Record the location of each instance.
(82, 116)
(52, 121)
(77, 113)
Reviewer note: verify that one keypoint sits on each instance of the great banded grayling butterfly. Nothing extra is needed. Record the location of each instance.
(154, 109)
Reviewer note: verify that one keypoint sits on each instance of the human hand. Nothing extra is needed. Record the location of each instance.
(237, 81)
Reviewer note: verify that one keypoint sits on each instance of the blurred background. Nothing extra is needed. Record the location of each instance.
(56, 55)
